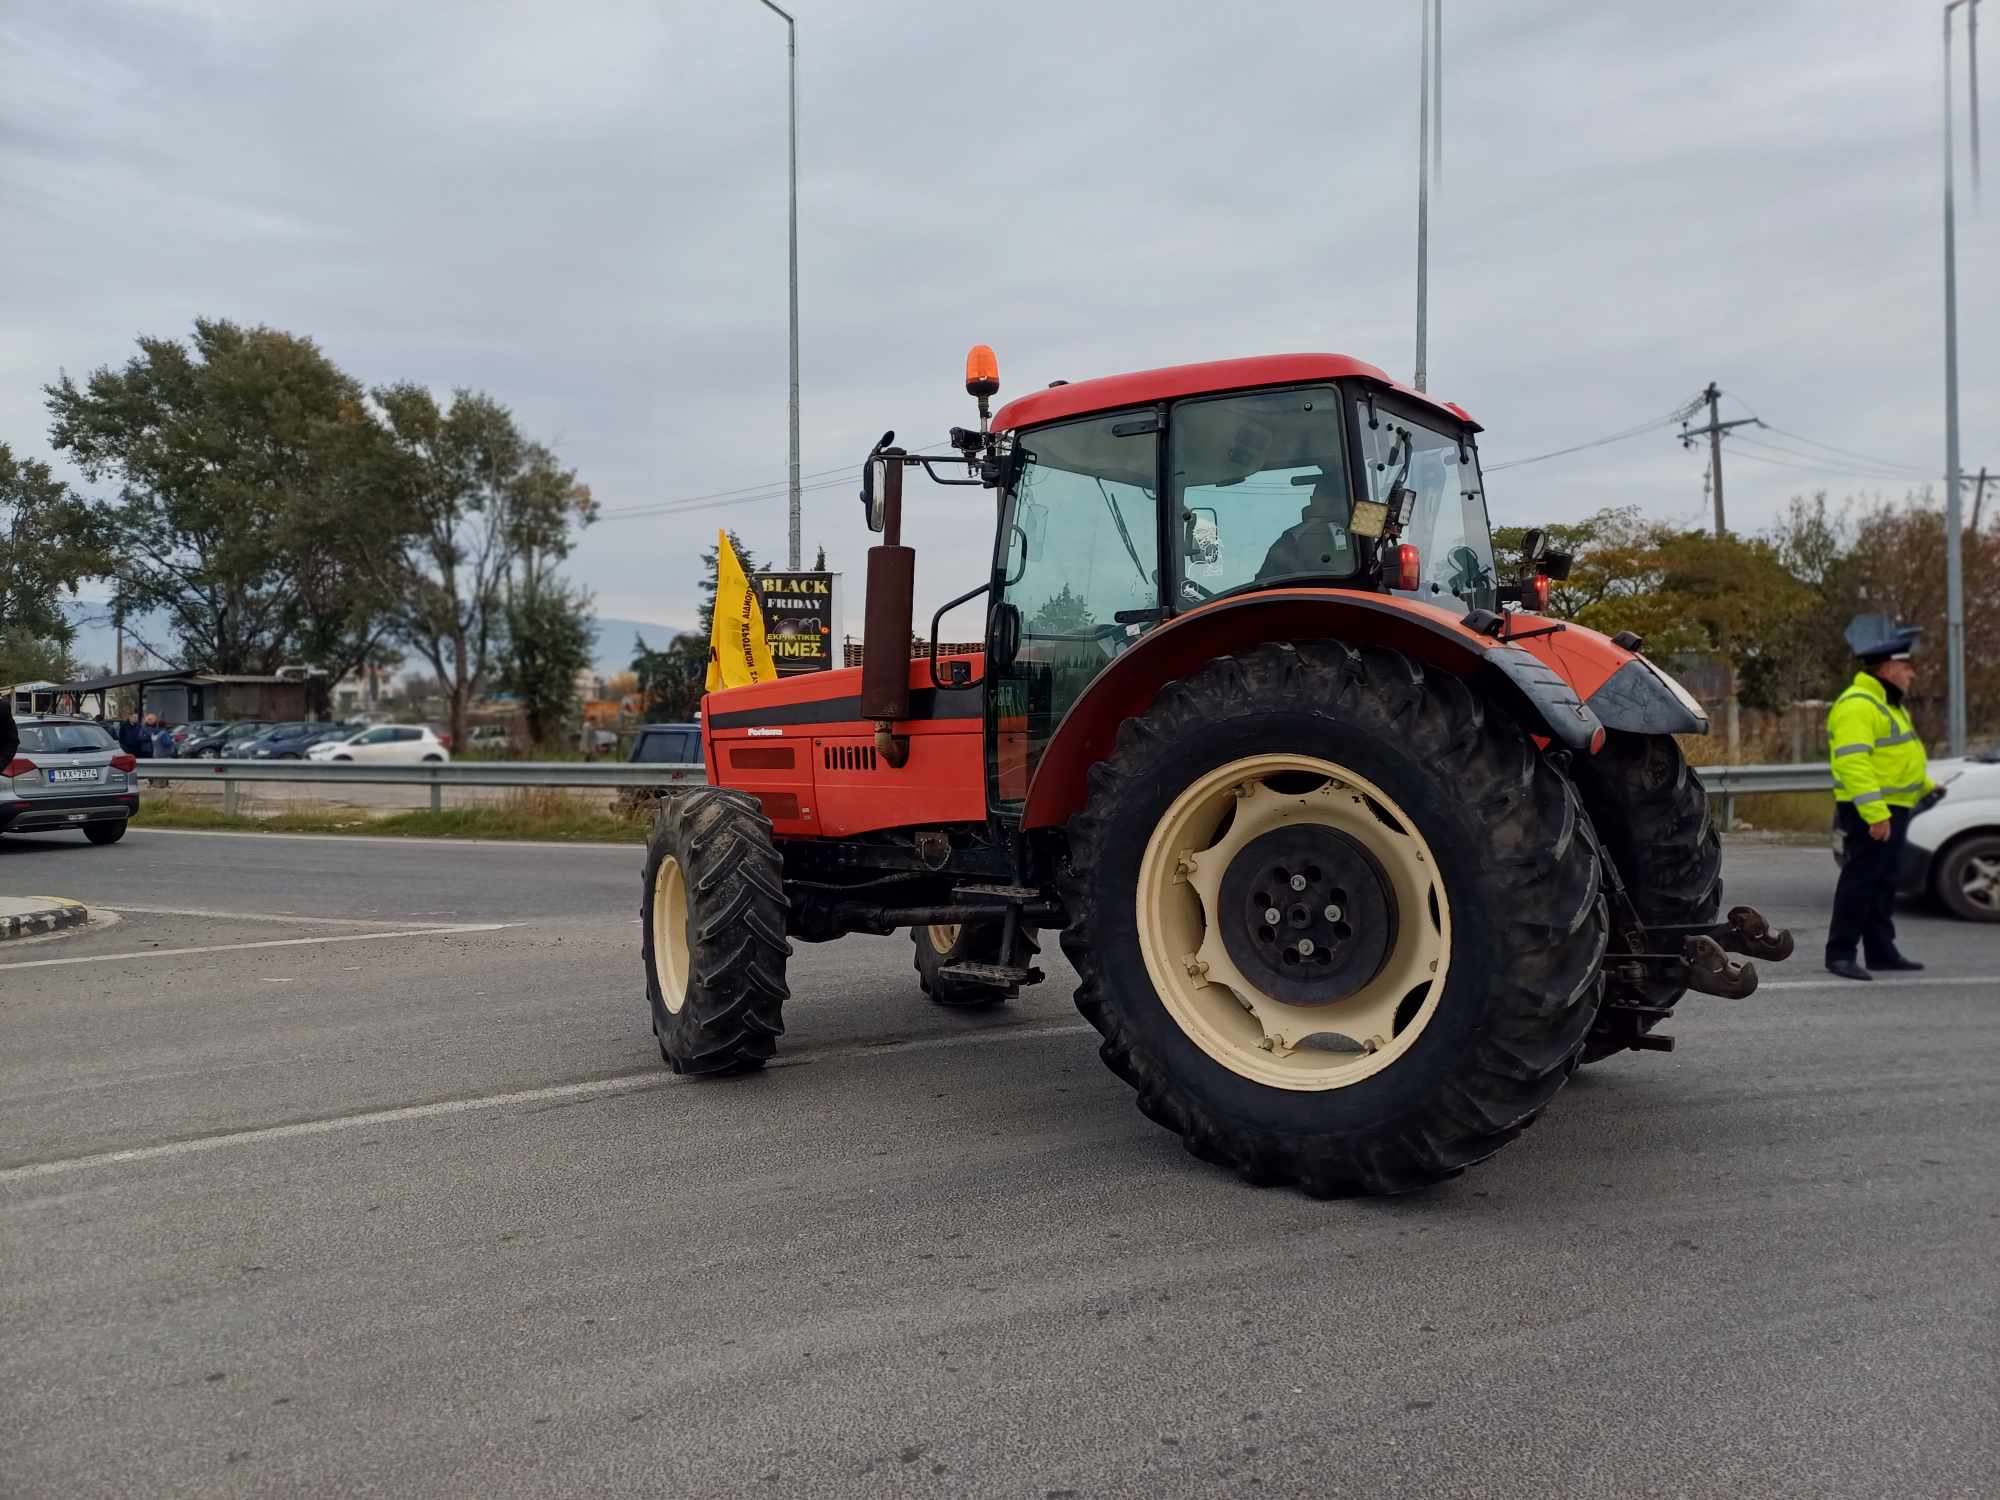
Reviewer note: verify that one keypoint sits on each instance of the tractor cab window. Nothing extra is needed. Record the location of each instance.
(1448, 525)
(1261, 492)
(1081, 560)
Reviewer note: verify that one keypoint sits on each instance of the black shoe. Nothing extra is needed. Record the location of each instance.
(1898, 964)
(1847, 968)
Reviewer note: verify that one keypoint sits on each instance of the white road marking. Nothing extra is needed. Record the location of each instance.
(652, 1078)
(544, 846)
(149, 954)
(268, 916)
(1835, 982)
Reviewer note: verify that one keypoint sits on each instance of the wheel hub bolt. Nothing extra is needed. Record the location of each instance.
(1332, 913)
(1298, 882)
(1305, 947)
(1271, 916)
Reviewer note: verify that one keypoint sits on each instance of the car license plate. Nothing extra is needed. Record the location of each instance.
(86, 775)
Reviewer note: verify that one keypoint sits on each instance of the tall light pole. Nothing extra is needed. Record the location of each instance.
(1954, 543)
(792, 71)
(1430, 164)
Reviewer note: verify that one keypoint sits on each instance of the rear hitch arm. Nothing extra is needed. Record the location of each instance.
(1704, 963)
(1746, 932)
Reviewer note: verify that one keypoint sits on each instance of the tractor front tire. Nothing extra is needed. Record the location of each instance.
(1338, 922)
(712, 924)
(1651, 815)
(978, 942)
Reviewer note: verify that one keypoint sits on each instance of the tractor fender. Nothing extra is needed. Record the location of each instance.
(1532, 688)
(1625, 690)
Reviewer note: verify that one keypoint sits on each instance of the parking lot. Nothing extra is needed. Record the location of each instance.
(348, 1166)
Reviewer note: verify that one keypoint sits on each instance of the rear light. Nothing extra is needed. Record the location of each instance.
(124, 762)
(1537, 593)
(20, 765)
(1409, 567)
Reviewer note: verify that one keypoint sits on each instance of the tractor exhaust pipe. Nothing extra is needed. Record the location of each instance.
(889, 615)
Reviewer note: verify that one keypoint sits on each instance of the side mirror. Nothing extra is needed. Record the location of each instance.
(875, 484)
(874, 491)
(1534, 542)
(1003, 635)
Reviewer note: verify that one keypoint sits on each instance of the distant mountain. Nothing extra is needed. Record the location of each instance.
(96, 642)
(614, 642)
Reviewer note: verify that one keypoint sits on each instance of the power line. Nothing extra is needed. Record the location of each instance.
(1887, 463)
(1821, 460)
(1615, 437)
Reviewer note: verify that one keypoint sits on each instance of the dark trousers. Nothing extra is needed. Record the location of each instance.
(1864, 903)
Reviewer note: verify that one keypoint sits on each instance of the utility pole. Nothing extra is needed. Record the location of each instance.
(1954, 541)
(792, 75)
(1713, 432)
(1978, 498)
(1423, 202)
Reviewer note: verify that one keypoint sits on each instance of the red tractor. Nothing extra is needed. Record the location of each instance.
(1356, 855)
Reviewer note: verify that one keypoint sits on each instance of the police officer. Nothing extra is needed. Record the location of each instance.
(1879, 778)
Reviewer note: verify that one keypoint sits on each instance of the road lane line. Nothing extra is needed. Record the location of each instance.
(1835, 982)
(457, 929)
(266, 916)
(621, 1083)
(543, 846)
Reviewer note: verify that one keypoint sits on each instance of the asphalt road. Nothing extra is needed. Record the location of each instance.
(347, 1167)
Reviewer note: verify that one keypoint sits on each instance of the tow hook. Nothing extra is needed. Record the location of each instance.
(1704, 963)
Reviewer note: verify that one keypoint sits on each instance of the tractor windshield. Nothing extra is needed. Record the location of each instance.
(1454, 544)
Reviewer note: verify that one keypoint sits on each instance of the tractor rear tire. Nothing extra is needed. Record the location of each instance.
(977, 941)
(1651, 814)
(712, 924)
(1448, 861)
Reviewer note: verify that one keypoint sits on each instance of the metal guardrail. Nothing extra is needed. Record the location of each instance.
(511, 773)
(1731, 782)
(1726, 782)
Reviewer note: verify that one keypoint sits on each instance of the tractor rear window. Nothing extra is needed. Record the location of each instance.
(1448, 525)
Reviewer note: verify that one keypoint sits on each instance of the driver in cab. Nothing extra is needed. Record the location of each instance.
(1320, 542)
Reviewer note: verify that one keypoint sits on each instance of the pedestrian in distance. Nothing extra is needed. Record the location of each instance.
(131, 734)
(1880, 781)
(163, 740)
(10, 736)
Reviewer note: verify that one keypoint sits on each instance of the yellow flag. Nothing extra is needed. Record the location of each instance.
(737, 650)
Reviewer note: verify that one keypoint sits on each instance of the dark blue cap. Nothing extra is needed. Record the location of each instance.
(1880, 638)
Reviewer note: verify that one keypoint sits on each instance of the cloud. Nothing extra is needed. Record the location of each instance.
(582, 211)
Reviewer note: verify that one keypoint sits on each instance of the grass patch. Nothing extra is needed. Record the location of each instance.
(528, 814)
(1785, 812)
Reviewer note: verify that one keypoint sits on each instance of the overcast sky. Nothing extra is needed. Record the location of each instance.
(580, 209)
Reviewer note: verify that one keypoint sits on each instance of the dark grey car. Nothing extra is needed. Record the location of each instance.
(68, 773)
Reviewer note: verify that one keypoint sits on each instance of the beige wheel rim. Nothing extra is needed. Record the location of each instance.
(943, 935)
(1224, 1012)
(670, 934)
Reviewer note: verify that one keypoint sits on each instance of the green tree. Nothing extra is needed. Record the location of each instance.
(673, 678)
(463, 508)
(50, 541)
(1063, 613)
(819, 559)
(550, 636)
(230, 453)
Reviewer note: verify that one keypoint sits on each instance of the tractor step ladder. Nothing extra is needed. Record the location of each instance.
(1000, 976)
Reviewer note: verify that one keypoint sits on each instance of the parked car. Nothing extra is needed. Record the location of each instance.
(246, 749)
(68, 773)
(492, 737)
(385, 744)
(211, 746)
(667, 745)
(292, 744)
(1953, 854)
(199, 729)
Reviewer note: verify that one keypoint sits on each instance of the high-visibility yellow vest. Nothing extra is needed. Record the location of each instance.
(1878, 761)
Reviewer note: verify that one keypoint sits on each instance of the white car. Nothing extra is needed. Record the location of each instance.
(1954, 848)
(385, 745)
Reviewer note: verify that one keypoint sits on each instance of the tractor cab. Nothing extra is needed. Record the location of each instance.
(1130, 501)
